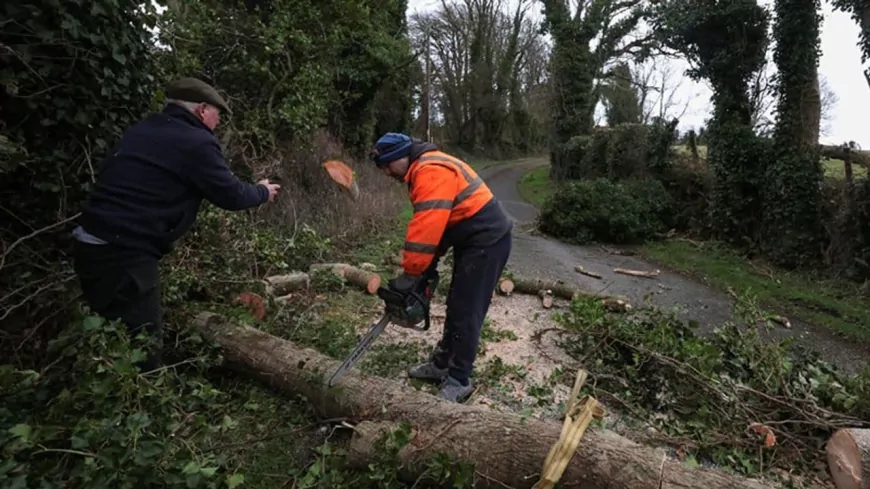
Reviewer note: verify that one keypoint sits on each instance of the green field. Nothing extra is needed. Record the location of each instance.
(833, 168)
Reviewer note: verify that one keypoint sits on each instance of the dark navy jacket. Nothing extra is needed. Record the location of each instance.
(150, 187)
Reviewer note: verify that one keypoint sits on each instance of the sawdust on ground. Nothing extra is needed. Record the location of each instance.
(521, 367)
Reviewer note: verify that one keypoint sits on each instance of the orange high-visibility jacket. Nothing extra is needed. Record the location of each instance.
(444, 192)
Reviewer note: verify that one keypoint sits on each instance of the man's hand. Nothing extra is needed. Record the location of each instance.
(272, 187)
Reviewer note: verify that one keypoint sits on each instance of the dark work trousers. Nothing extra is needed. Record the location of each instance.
(119, 283)
(475, 275)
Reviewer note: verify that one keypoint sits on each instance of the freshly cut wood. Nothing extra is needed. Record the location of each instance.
(507, 449)
(782, 321)
(637, 273)
(546, 298)
(368, 281)
(286, 284)
(579, 414)
(579, 269)
(253, 303)
(848, 453)
(505, 286)
(616, 305)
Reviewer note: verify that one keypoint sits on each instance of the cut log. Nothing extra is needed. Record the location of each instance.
(637, 273)
(848, 453)
(507, 450)
(558, 289)
(546, 298)
(579, 269)
(368, 281)
(284, 284)
(505, 286)
(253, 303)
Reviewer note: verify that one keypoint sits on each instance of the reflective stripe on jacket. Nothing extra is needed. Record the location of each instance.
(444, 191)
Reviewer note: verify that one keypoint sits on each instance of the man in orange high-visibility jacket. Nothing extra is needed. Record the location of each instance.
(453, 207)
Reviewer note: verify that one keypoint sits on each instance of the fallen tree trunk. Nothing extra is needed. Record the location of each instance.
(506, 449)
(558, 289)
(368, 281)
(848, 453)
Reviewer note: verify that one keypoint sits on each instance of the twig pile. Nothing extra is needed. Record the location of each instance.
(733, 398)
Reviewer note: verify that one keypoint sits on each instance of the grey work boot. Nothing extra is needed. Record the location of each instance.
(453, 390)
(427, 371)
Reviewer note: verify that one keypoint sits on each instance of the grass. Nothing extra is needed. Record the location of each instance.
(535, 186)
(832, 304)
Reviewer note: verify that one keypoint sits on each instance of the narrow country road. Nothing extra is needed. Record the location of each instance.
(538, 256)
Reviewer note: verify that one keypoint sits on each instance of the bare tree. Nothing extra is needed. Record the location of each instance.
(829, 104)
(478, 50)
(763, 96)
(661, 90)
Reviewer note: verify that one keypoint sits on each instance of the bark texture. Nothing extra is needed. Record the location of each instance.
(507, 450)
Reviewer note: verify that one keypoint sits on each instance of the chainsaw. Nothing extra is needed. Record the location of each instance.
(406, 311)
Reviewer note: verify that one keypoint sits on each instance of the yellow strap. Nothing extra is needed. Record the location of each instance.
(579, 414)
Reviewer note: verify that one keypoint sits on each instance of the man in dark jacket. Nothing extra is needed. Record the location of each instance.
(147, 196)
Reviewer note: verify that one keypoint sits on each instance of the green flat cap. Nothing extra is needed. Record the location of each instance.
(195, 90)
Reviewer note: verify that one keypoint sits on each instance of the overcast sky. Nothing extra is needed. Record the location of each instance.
(840, 64)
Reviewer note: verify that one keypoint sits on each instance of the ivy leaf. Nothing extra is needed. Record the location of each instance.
(92, 322)
(235, 480)
(22, 431)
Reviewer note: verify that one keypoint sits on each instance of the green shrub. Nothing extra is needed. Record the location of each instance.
(630, 211)
(90, 420)
(619, 152)
(689, 183)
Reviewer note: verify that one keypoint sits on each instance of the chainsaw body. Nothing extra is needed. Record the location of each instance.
(404, 310)
(409, 310)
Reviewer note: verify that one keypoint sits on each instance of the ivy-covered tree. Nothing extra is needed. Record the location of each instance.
(860, 12)
(792, 222)
(73, 76)
(621, 101)
(726, 41)
(575, 66)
